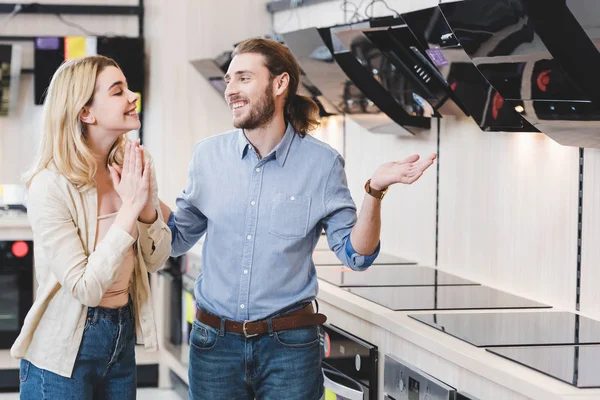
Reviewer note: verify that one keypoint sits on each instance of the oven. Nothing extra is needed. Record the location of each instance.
(349, 366)
(16, 287)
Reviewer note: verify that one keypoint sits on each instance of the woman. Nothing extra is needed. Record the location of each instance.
(98, 231)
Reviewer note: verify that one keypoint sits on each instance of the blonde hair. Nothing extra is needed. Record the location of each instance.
(64, 145)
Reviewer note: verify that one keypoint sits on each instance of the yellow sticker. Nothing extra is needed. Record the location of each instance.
(190, 307)
(138, 107)
(74, 47)
(329, 395)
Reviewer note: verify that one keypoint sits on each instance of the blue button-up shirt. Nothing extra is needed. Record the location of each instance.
(262, 219)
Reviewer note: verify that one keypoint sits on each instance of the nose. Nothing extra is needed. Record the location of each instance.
(230, 90)
(133, 96)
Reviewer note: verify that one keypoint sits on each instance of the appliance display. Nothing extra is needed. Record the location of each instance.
(414, 298)
(349, 366)
(575, 365)
(403, 381)
(16, 288)
(328, 257)
(388, 50)
(10, 72)
(344, 82)
(51, 52)
(535, 67)
(482, 101)
(389, 275)
(516, 328)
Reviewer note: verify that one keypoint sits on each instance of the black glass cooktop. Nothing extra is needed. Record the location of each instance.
(442, 298)
(327, 257)
(575, 365)
(516, 328)
(389, 275)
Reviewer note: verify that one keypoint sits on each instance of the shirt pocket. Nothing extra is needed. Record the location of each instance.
(289, 216)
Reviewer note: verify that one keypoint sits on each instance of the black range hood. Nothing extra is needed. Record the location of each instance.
(541, 56)
(389, 50)
(485, 104)
(345, 77)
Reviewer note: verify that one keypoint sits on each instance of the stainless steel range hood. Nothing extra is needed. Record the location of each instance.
(214, 70)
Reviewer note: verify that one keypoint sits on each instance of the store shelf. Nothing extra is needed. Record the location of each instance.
(143, 357)
(176, 358)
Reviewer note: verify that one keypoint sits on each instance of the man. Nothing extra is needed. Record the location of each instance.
(262, 194)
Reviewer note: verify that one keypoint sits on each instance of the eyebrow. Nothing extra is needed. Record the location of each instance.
(239, 73)
(115, 84)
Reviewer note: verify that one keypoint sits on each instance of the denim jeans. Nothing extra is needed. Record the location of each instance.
(105, 365)
(273, 366)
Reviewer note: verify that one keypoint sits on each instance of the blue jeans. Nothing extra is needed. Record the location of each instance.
(105, 365)
(273, 366)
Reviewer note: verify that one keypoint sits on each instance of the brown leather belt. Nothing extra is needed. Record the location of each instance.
(305, 316)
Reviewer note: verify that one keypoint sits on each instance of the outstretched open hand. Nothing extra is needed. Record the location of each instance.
(406, 171)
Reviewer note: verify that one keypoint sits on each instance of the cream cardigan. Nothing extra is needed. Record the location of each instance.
(72, 276)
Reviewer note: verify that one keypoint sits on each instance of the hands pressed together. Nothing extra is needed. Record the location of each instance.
(133, 182)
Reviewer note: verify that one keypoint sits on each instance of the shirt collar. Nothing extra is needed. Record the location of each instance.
(281, 150)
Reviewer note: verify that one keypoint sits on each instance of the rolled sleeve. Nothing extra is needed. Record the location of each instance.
(341, 212)
(358, 261)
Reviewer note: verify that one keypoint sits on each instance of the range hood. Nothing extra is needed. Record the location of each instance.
(485, 104)
(541, 56)
(215, 69)
(352, 85)
(388, 49)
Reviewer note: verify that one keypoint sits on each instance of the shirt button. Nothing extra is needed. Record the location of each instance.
(253, 203)
(249, 237)
(245, 272)
(242, 306)
(257, 170)
(292, 198)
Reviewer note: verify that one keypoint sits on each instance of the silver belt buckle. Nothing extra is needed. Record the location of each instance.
(246, 334)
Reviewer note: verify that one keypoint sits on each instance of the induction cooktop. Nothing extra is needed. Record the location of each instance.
(328, 257)
(575, 365)
(510, 329)
(409, 298)
(389, 275)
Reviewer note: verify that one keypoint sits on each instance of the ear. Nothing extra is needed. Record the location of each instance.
(281, 83)
(86, 116)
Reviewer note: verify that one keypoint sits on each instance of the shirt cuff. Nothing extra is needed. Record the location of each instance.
(171, 225)
(358, 260)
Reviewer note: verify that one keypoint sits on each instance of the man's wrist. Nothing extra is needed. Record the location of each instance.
(377, 186)
(374, 192)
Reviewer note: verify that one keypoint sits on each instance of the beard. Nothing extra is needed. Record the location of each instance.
(260, 114)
